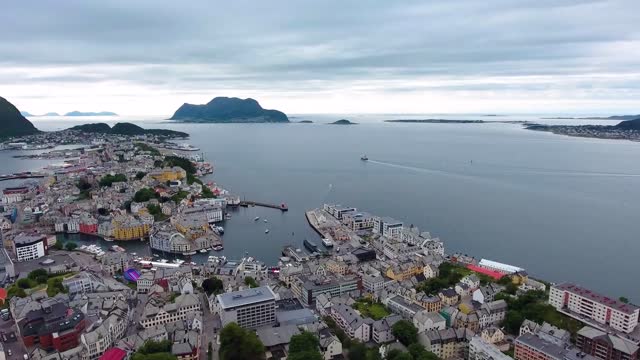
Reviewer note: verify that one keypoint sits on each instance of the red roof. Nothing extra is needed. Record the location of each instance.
(3, 293)
(494, 274)
(114, 354)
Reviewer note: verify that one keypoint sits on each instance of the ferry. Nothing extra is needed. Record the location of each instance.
(327, 243)
(310, 246)
(364, 158)
(256, 218)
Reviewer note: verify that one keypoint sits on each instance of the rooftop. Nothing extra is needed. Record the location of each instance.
(246, 297)
(593, 296)
(552, 350)
(500, 266)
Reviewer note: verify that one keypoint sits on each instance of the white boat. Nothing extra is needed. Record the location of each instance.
(265, 220)
(178, 261)
(266, 231)
(327, 243)
(164, 261)
(220, 230)
(257, 218)
(203, 251)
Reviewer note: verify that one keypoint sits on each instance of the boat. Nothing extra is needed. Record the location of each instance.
(227, 217)
(118, 248)
(204, 251)
(327, 243)
(257, 218)
(364, 158)
(178, 261)
(156, 255)
(266, 231)
(220, 230)
(218, 248)
(164, 261)
(108, 239)
(265, 220)
(310, 246)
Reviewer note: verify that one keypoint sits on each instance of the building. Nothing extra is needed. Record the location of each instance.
(169, 241)
(492, 313)
(338, 211)
(479, 349)
(448, 343)
(129, 228)
(308, 288)
(404, 271)
(250, 308)
(52, 326)
(213, 213)
(12, 195)
(114, 262)
(546, 331)
(449, 297)
(114, 354)
(363, 254)
(358, 221)
(388, 227)
(579, 302)
(425, 321)
(144, 282)
(29, 247)
(353, 324)
(394, 249)
(398, 305)
(168, 174)
(382, 330)
(532, 347)
(605, 346)
(499, 267)
(171, 312)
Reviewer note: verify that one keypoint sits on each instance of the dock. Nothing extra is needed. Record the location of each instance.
(22, 175)
(282, 207)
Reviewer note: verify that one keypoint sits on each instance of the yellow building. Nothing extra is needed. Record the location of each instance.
(337, 267)
(404, 271)
(129, 229)
(169, 174)
(519, 277)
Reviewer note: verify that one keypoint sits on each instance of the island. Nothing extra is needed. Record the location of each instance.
(614, 117)
(81, 113)
(436, 121)
(51, 114)
(305, 122)
(26, 113)
(228, 110)
(625, 130)
(127, 129)
(12, 122)
(343, 122)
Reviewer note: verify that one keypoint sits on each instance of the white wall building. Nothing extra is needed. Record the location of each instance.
(249, 308)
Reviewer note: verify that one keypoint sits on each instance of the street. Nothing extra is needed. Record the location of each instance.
(13, 342)
(210, 327)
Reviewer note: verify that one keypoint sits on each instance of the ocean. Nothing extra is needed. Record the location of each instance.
(563, 208)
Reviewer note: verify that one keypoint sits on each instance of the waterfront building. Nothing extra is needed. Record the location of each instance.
(129, 228)
(606, 346)
(166, 240)
(249, 308)
(212, 213)
(30, 246)
(499, 267)
(580, 303)
(338, 211)
(394, 249)
(479, 349)
(12, 195)
(388, 227)
(358, 221)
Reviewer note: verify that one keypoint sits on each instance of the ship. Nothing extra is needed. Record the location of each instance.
(218, 247)
(310, 246)
(364, 158)
(117, 248)
(256, 218)
(327, 243)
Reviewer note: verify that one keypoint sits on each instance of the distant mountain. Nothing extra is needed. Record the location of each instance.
(630, 124)
(229, 110)
(24, 113)
(614, 117)
(101, 113)
(343, 122)
(51, 114)
(305, 122)
(12, 123)
(127, 129)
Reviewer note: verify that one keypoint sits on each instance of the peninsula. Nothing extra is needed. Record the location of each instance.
(12, 122)
(82, 113)
(229, 110)
(127, 129)
(625, 130)
(436, 121)
(614, 117)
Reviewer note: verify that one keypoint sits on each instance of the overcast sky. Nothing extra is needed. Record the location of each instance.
(456, 56)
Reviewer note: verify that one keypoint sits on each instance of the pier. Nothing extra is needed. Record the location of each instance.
(281, 207)
(22, 175)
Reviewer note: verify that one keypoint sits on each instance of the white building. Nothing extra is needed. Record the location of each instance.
(579, 302)
(499, 267)
(29, 247)
(249, 308)
(177, 311)
(424, 321)
(482, 350)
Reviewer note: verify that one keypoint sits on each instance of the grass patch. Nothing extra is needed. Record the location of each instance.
(371, 309)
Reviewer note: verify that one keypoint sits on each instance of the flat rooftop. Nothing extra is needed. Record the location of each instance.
(246, 297)
(594, 296)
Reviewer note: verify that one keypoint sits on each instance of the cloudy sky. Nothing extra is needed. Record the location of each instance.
(148, 57)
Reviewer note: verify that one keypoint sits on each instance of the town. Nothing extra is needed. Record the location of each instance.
(375, 288)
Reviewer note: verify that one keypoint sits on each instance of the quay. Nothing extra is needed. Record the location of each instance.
(281, 207)
(22, 175)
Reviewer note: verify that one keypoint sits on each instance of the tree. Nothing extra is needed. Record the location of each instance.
(25, 283)
(395, 354)
(304, 346)
(213, 285)
(154, 350)
(357, 351)
(109, 179)
(623, 299)
(144, 194)
(70, 246)
(418, 352)
(251, 282)
(59, 245)
(237, 343)
(405, 332)
(39, 275)
(16, 291)
(140, 175)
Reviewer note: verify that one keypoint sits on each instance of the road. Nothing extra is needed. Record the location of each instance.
(210, 327)
(14, 342)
